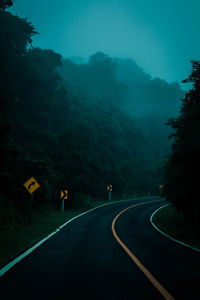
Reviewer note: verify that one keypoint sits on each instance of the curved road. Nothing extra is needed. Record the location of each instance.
(85, 261)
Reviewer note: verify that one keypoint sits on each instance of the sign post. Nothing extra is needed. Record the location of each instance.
(31, 185)
(109, 189)
(63, 196)
(161, 187)
(63, 205)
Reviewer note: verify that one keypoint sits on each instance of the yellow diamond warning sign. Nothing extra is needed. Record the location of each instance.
(31, 185)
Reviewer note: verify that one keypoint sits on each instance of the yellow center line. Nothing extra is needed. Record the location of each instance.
(153, 280)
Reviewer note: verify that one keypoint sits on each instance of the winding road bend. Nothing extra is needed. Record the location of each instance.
(109, 253)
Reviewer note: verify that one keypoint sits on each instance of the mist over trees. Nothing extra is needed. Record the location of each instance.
(147, 102)
(150, 102)
(78, 126)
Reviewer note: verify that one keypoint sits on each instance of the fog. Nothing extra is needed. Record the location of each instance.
(87, 89)
(161, 36)
(99, 104)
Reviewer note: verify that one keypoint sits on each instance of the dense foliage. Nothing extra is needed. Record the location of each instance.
(64, 124)
(182, 174)
(4, 4)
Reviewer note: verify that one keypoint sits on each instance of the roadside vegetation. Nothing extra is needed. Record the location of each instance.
(182, 172)
(16, 238)
(69, 125)
(82, 125)
(174, 223)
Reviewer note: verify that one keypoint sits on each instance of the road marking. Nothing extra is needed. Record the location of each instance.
(153, 280)
(27, 252)
(168, 236)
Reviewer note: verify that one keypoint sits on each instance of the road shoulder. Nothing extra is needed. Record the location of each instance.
(171, 224)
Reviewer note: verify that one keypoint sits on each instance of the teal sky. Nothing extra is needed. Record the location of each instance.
(161, 36)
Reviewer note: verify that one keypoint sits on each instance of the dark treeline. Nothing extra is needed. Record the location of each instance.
(182, 173)
(69, 125)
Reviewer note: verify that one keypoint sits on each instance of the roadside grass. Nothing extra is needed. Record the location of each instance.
(17, 238)
(173, 223)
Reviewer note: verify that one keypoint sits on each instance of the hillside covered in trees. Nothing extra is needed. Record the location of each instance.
(76, 126)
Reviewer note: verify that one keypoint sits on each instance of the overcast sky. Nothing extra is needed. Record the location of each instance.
(161, 36)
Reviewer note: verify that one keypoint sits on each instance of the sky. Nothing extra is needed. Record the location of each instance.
(161, 36)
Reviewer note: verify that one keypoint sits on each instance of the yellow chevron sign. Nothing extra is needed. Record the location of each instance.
(109, 187)
(64, 194)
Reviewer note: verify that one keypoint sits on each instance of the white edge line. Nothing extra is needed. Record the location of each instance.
(20, 257)
(168, 236)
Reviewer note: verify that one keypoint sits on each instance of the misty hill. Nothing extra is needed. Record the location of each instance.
(146, 96)
(140, 94)
(122, 85)
(68, 126)
(150, 102)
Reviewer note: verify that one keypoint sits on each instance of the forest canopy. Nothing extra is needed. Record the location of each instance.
(73, 125)
(182, 172)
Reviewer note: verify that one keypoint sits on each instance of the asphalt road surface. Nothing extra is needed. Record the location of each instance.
(84, 260)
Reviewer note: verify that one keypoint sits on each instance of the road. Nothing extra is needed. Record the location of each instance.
(85, 261)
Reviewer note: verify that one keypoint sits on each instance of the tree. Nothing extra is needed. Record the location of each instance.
(182, 172)
(4, 4)
(103, 67)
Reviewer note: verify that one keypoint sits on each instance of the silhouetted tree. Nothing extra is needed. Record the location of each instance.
(4, 4)
(182, 173)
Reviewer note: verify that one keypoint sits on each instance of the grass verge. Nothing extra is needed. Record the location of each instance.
(17, 238)
(173, 223)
